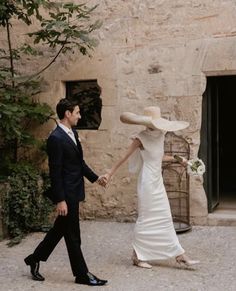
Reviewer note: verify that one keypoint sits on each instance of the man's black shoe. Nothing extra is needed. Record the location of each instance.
(34, 268)
(90, 279)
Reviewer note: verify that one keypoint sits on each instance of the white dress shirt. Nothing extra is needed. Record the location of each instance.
(68, 131)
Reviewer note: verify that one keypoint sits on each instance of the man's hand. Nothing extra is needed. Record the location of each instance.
(61, 208)
(102, 181)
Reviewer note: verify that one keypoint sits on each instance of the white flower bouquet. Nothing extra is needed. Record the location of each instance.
(195, 167)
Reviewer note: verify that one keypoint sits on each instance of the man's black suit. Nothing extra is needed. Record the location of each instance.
(67, 171)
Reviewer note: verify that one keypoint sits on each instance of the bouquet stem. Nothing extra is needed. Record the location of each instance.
(178, 158)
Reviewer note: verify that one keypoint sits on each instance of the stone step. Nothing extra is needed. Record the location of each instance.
(222, 217)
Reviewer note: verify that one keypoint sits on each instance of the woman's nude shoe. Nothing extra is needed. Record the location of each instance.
(184, 260)
(139, 263)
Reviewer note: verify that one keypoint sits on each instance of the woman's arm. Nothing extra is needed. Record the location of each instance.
(172, 159)
(134, 145)
(167, 158)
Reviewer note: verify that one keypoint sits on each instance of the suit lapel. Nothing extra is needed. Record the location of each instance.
(66, 136)
(78, 142)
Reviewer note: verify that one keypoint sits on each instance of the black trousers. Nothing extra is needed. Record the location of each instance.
(69, 228)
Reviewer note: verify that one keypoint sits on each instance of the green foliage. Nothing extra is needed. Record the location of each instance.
(18, 109)
(68, 28)
(24, 207)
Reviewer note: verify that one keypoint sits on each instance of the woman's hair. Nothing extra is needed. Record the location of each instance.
(65, 104)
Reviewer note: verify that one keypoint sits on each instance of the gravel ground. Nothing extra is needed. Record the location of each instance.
(107, 249)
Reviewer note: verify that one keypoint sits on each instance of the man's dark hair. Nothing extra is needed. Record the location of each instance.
(65, 104)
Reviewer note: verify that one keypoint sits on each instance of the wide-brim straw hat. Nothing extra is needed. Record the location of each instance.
(152, 118)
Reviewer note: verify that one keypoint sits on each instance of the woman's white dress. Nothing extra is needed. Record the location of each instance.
(154, 235)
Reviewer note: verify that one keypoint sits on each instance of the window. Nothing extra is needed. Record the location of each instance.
(87, 93)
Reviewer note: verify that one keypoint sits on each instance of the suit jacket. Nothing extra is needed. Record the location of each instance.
(67, 167)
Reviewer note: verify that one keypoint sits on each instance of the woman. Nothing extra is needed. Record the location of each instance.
(154, 235)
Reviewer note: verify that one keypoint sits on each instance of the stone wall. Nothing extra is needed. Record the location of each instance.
(151, 53)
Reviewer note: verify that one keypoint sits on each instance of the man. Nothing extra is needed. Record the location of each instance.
(67, 171)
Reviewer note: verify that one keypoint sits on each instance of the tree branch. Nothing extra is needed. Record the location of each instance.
(10, 53)
(48, 65)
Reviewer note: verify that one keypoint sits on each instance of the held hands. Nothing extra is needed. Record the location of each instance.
(108, 177)
(103, 180)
